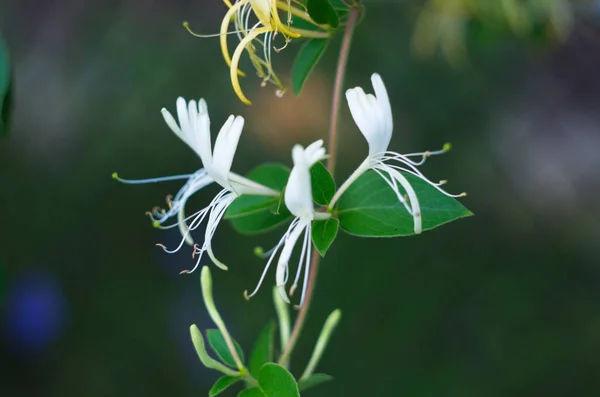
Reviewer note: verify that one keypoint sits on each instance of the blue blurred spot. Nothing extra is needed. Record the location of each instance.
(35, 312)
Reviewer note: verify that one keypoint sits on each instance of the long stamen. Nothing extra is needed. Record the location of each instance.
(393, 185)
(299, 270)
(198, 219)
(282, 271)
(150, 180)
(215, 222)
(423, 177)
(187, 27)
(273, 254)
(308, 248)
(412, 196)
(216, 213)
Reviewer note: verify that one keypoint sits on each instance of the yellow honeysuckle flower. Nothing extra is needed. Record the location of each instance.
(269, 25)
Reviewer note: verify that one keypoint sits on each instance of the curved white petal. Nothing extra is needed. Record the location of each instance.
(314, 152)
(193, 128)
(298, 191)
(412, 196)
(225, 147)
(372, 115)
(384, 102)
(203, 133)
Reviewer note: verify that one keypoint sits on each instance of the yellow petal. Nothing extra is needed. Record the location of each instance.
(225, 28)
(235, 60)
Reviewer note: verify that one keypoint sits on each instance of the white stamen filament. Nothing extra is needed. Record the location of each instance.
(198, 219)
(151, 180)
(273, 252)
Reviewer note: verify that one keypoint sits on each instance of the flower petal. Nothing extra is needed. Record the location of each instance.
(298, 192)
(373, 115)
(203, 141)
(225, 147)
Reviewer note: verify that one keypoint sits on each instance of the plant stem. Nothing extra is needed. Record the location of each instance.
(332, 143)
(312, 276)
(338, 86)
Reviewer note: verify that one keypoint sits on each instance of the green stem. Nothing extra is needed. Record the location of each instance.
(206, 283)
(335, 108)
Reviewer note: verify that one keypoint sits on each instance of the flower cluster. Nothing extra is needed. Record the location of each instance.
(256, 24)
(373, 116)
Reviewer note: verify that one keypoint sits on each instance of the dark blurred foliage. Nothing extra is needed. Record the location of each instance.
(505, 303)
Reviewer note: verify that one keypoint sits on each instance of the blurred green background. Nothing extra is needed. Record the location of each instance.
(505, 303)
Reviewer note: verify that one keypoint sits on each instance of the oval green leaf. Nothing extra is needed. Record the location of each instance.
(263, 349)
(253, 392)
(323, 233)
(369, 208)
(322, 12)
(322, 184)
(256, 214)
(276, 381)
(313, 380)
(305, 62)
(217, 342)
(223, 383)
(5, 89)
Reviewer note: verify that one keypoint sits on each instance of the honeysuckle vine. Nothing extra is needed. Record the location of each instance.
(386, 196)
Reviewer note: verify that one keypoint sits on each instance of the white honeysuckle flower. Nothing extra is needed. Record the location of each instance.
(194, 130)
(373, 116)
(298, 200)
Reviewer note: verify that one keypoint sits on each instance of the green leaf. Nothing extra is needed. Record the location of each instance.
(313, 380)
(253, 392)
(276, 381)
(263, 349)
(339, 5)
(217, 342)
(5, 89)
(322, 183)
(305, 62)
(256, 214)
(322, 12)
(369, 208)
(223, 383)
(323, 233)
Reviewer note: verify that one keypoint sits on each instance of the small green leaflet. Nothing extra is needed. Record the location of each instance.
(323, 233)
(313, 380)
(256, 214)
(5, 89)
(322, 184)
(369, 208)
(223, 383)
(276, 381)
(263, 350)
(253, 392)
(273, 381)
(217, 342)
(305, 62)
